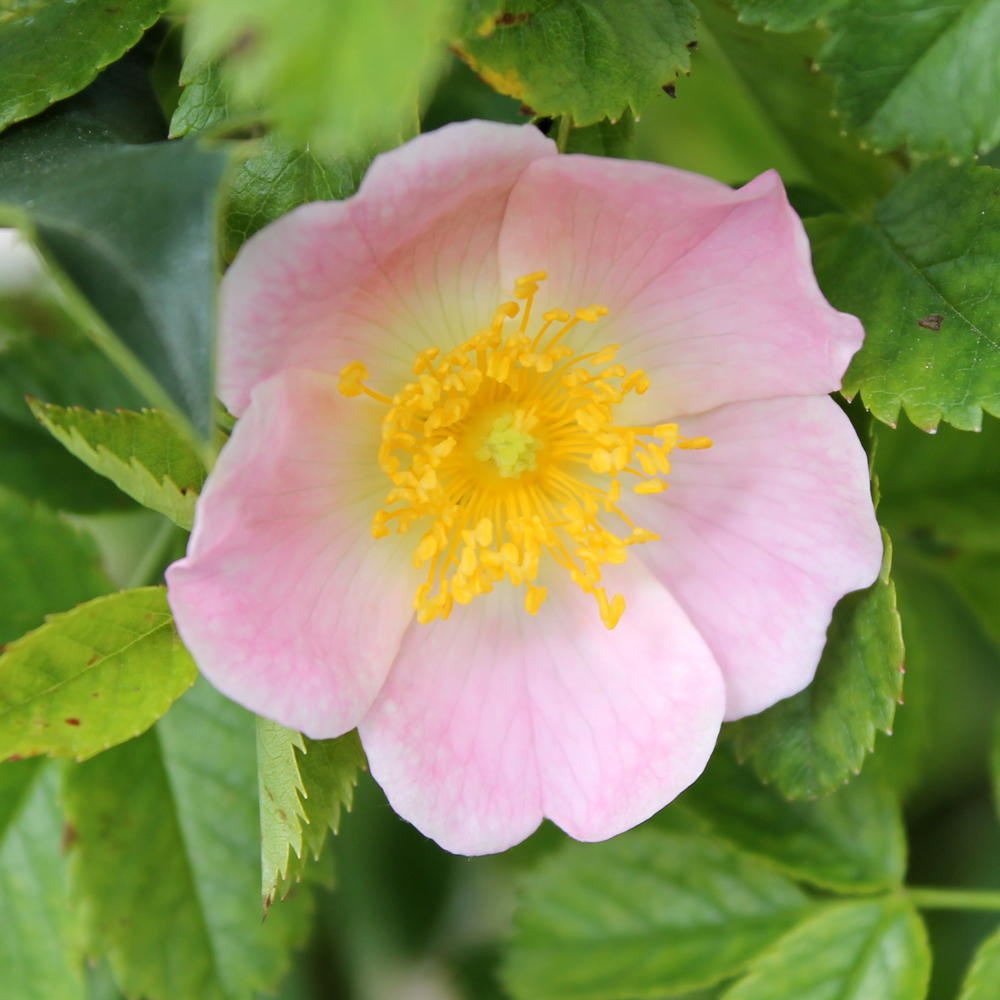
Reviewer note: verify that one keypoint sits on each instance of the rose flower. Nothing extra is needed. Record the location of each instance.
(535, 480)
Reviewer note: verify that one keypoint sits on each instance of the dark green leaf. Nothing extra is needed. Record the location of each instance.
(45, 566)
(903, 67)
(92, 677)
(643, 915)
(304, 786)
(778, 74)
(813, 742)
(874, 950)
(850, 841)
(276, 179)
(335, 77)
(133, 228)
(921, 275)
(589, 59)
(50, 49)
(165, 861)
(38, 949)
(142, 453)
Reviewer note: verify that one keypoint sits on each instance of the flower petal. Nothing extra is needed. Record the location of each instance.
(710, 290)
(408, 262)
(287, 603)
(762, 534)
(494, 718)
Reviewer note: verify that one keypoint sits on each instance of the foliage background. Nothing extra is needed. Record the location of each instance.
(819, 856)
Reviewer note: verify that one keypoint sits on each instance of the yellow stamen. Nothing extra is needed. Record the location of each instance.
(503, 453)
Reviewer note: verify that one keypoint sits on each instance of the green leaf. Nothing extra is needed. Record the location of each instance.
(984, 973)
(50, 49)
(130, 231)
(92, 677)
(38, 952)
(921, 275)
(784, 15)
(142, 453)
(203, 102)
(46, 566)
(643, 915)
(335, 77)
(903, 67)
(590, 59)
(850, 841)
(813, 742)
(778, 77)
(278, 178)
(165, 862)
(304, 785)
(847, 951)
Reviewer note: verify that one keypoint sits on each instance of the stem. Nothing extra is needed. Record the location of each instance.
(954, 899)
(562, 136)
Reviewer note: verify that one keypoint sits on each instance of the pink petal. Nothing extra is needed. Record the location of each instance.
(287, 603)
(711, 290)
(762, 534)
(494, 718)
(410, 261)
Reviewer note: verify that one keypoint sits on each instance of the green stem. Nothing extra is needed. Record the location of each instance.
(954, 899)
(562, 136)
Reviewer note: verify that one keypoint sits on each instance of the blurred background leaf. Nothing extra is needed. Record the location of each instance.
(336, 77)
(131, 225)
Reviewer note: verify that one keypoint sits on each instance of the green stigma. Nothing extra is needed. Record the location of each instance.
(514, 451)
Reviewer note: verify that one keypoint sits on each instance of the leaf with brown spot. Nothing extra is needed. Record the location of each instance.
(47, 678)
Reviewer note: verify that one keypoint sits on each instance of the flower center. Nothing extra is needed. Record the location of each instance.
(504, 453)
(509, 445)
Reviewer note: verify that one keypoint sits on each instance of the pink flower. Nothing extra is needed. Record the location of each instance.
(535, 480)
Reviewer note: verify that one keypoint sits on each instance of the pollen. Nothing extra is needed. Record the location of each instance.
(505, 462)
